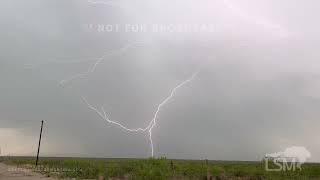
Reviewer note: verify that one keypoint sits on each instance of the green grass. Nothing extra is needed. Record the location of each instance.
(159, 169)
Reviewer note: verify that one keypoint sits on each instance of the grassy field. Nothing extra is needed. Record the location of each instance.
(162, 168)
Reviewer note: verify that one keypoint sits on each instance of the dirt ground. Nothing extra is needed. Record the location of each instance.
(13, 173)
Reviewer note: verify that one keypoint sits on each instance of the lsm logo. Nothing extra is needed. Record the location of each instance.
(289, 160)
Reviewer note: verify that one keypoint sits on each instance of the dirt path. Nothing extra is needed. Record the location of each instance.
(13, 173)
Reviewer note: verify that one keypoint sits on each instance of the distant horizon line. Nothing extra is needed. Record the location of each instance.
(123, 158)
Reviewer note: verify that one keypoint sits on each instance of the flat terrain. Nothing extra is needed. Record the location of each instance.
(12, 173)
(151, 169)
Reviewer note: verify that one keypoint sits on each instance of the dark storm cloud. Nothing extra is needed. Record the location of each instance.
(257, 93)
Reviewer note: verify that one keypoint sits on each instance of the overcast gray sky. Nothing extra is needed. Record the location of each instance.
(257, 91)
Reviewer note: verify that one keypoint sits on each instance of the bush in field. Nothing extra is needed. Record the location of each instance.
(153, 168)
(191, 170)
(140, 169)
(216, 170)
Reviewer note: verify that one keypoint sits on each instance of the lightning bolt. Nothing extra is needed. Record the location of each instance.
(153, 122)
(92, 68)
(109, 54)
(258, 21)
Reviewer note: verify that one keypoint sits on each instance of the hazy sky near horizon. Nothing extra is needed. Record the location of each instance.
(257, 92)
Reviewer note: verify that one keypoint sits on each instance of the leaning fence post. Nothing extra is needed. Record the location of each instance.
(171, 164)
(39, 143)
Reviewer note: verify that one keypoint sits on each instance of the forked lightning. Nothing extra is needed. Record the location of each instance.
(152, 123)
